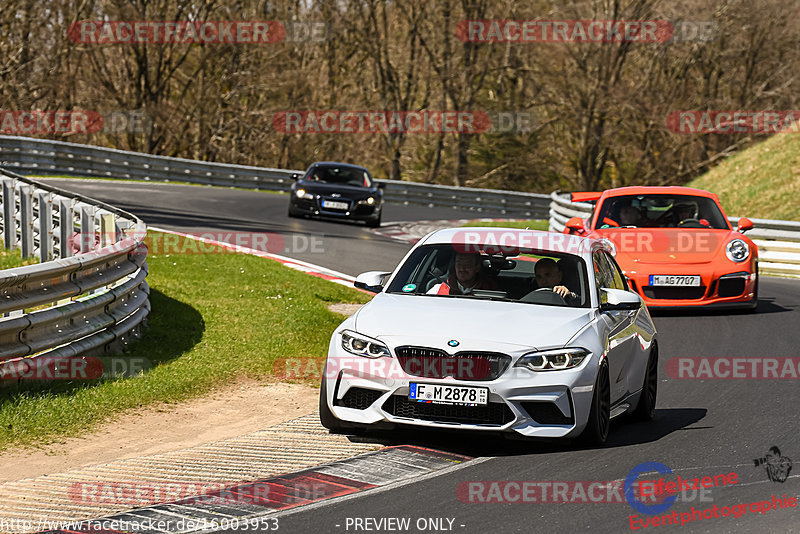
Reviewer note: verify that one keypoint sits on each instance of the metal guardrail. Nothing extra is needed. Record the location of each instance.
(778, 242)
(89, 294)
(40, 156)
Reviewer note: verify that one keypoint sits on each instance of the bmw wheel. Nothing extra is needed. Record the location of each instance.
(596, 431)
(326, 416)
(646, 409)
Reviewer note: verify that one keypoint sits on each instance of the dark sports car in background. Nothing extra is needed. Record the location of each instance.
(341, 190)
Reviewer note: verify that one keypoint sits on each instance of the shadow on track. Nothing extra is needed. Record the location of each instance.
(765, 305)
(476, 444)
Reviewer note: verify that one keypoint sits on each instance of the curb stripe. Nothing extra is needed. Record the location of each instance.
(273, 495)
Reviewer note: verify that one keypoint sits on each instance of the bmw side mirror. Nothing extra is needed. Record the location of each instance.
(295, 176)
(619, 300)
(371, 281)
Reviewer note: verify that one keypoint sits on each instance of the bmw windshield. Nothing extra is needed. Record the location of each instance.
(526, 275)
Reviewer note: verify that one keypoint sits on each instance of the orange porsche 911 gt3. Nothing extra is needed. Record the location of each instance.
(675, 245)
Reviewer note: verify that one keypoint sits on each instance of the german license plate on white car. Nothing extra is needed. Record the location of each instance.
(335, 205)
(674, 280)
(447, 394)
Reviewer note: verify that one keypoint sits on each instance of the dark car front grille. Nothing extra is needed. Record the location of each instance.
(468, 365)
(359, 398)
(494, 413)
(674, 293)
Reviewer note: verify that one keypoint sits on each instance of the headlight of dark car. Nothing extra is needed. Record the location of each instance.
(553, 360)
(302, 193)
(369, 201)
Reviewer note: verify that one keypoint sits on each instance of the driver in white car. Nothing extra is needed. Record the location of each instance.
(469, 275)
(548, 276)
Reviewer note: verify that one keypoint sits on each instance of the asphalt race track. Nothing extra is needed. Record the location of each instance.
(702, 427)
(346, 246)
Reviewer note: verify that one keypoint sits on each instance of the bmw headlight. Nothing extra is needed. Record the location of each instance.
(302, 193)
(368, 201)
(737, 250)
(361, 345)
(553, 360)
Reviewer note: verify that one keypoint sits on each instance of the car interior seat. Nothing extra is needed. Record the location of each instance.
(569, 275)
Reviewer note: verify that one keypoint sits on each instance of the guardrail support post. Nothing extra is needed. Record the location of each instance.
(108, 234)
(66, 227)
(87, 229)
(26, 220)
(9, 221)
(45, 226)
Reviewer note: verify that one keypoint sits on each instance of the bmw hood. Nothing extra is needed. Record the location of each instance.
(475, 324)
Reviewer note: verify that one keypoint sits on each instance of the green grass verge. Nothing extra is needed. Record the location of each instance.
(761, 182)
(13, 258)
(215, 318)
(535, 224)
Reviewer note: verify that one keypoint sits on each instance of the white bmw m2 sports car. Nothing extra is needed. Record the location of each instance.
(519, 331)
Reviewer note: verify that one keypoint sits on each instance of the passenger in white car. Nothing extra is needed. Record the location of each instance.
(549, 275)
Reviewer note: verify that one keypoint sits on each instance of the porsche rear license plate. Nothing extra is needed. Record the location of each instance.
(335, 205)
(446, 394)
(674, 280)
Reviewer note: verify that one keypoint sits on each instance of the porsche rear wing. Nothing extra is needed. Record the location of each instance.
(586, 196)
